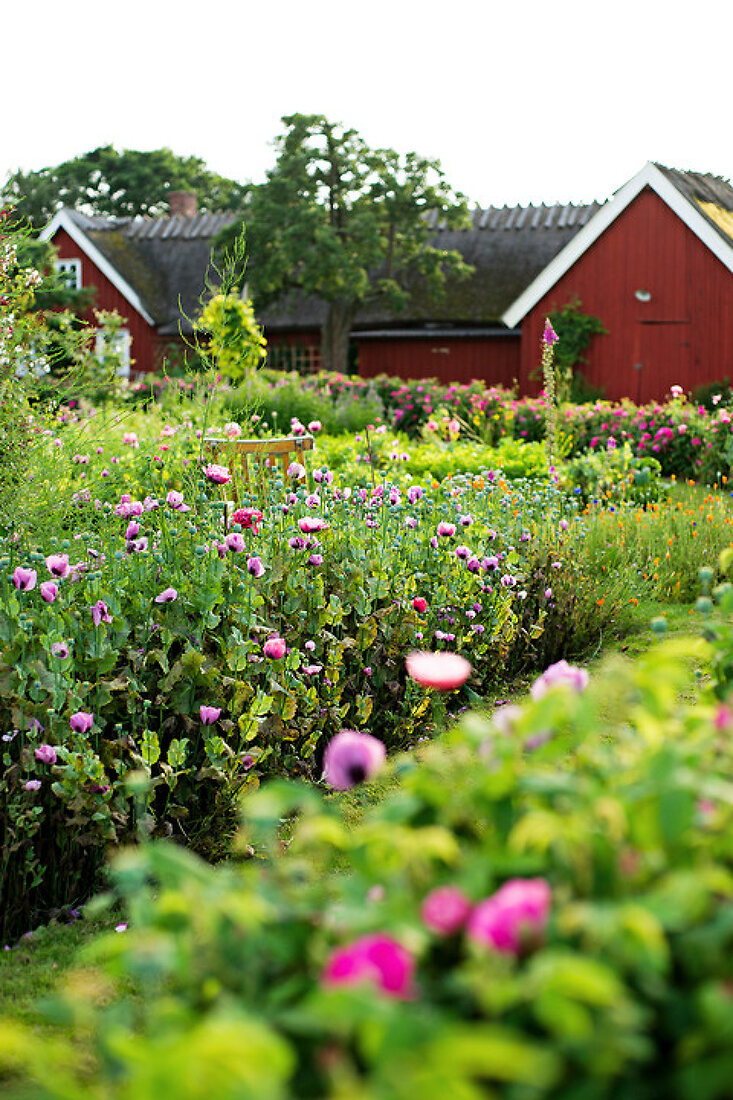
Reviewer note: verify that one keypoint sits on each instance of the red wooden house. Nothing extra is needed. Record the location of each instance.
(655, 263)
(152, 271)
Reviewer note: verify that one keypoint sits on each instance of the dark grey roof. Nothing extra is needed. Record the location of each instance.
(507, 246)
(165, 260)
(700, 187)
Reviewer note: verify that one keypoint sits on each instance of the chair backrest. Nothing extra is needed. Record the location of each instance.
(250, 461)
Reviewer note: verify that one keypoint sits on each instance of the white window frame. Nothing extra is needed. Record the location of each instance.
(122, 345)
(71, 269)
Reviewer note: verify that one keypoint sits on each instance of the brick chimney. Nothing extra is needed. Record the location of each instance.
(182, 203)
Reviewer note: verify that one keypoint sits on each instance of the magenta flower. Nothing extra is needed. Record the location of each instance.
(444, 671)
(255, 566)
(24, 579)
(315, 559)
(49, 591)
(350, 758)
(446, 530)
(515, 914)
(100, 613)
(549, 336)
(58, 565)
(132, 530)
(32, 785)
(560, 674)
(168, 595)
(130, 438)
(445, 910)
(46, 754)
(60, 649)
(81, 722)
(420, 604)
(377, 960)
(296, 470)
(274, 648)
(314, 426)
(235, 542)
(218, 474)
(209, 715)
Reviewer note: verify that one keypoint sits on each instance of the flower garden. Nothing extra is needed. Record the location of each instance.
(262, 739)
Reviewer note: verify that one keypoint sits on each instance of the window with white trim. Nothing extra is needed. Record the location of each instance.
(116, 344)
(70, 270)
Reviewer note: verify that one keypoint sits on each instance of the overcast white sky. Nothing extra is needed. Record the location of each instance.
(521, 100)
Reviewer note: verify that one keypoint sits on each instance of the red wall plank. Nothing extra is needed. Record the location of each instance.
(493, 360)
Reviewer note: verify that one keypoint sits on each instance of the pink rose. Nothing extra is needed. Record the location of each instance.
(516, 913)
(445, 910)
(378, 960)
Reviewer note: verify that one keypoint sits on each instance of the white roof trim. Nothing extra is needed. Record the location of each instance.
(649, 176)
(63, 220)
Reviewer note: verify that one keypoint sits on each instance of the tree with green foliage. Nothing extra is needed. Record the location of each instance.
(346, 223)
(132, 182)
(236, 343)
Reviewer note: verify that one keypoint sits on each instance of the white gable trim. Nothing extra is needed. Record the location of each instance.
(649, 176)
(63, 220)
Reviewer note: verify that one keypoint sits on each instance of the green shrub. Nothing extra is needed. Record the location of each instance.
(614, 801)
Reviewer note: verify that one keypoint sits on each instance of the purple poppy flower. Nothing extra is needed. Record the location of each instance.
(58, 565)
(32, 785)
(46, 754)
(352, 757)
(209, 715)
(100, 613)
(81, 722)
(255, 566)
(49, 591)
(446, 530)
(218, 474)
(60, 649)
(24, 579)
(274, 648)
(234, 542)
(168, 595)
(132, 530)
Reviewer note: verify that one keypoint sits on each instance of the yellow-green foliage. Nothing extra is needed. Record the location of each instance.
(237, 344)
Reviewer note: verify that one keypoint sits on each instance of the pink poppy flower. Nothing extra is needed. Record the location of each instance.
(132, 530)
(561, 674)
(209, 715)
(175, 501)
(81, 722)
(296, 470)
(445, 910)
(168, 595)
(309, 524)
(515, 914)
(218, 474)
(446, 530)
(444, 671)
(46, 754)
(58, 565)
(350, 758)
(234, 541)
(100, 613)
(60, 649)
(377, 960)
(420, 604)
(49, 591)
(32, 785)
(24, 579)
(274, 648)
(255, 566)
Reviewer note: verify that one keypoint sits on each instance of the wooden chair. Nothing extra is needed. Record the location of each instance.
(251, 461)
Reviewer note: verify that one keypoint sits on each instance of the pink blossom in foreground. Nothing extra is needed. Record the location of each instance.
(350, 758)
(560, 674)
(274, 648)
(58, 565)
(24, 579)
(255, 566)
(46, 754)
(515, 914)
(296, 470)
(81, 722)
(376, 959)
(310, 524)
(445, 910)
(60, 649)
(444, 671)
(209, 715)
(168, 595)
(446, 530)
(49, 591)
(32, 785)
(218, 474)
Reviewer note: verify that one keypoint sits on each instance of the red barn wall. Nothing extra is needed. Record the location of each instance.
(682, 336)
(145, 348)
(494, 360)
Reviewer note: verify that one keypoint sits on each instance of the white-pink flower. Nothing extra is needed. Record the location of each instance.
(561, 674)
(444, 671)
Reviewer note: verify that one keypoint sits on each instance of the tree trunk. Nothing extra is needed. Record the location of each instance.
(335, 335)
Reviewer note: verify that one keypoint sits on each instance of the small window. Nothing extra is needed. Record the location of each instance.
(118, 346)
(70, 271)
